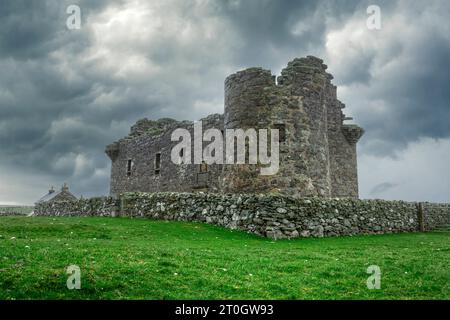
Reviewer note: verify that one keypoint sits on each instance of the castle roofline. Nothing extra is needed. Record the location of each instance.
(296, 66)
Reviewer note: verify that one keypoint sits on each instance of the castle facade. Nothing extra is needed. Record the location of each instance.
(317, 151)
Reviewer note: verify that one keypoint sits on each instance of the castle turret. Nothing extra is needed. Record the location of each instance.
(344, 160)
(342, 139)
(317, 152)
(247, 106)
(307, 78)
(246, 98)
(112, 151)
(352, 133)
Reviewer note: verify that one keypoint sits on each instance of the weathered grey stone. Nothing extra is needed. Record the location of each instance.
(305, 233)
(294, 234)
(261, 216)
(317, 151)
(318, 232)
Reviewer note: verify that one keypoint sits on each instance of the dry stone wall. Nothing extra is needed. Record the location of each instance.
(436, 215)
(12, 214)
(99, 206)
(272, 216)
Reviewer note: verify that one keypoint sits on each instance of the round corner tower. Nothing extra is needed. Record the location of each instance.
(304, 108)
(307, 79)
(248, 98)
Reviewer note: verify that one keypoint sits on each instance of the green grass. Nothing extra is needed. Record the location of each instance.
(143, 259)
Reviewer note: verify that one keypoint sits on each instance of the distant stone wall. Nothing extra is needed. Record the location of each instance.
(100, 206)
(273, 216)
(12, 214)
(8, 211)
(436, 215)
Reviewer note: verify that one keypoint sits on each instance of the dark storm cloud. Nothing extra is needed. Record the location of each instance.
(65, 94)
(273, 31)
(41, 127)
(25, 33)
(32, 29)
(417, 106)
(393, 78)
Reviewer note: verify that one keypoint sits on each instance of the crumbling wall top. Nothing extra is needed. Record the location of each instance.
(303, 68)
(255, 76)
(154, 127)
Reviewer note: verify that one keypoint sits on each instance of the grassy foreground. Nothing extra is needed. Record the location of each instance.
(143, 259)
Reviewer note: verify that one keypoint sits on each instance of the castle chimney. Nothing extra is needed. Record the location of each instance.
(65, 188)
(51, 190)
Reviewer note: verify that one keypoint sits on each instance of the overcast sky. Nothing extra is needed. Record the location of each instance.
(65, 94)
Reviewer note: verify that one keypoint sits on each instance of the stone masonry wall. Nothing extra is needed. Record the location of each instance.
(317, 150)
(99, 206)
(149, 138)
(272, 216)
(436, 215)
(12, 214)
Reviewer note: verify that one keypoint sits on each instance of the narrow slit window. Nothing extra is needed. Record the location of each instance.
(158, 163)
(281, 132)
(129, 167)
(203, 167)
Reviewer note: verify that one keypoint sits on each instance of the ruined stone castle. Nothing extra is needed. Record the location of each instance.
(317, 149)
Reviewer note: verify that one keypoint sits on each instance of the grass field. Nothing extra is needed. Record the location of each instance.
(143, 259)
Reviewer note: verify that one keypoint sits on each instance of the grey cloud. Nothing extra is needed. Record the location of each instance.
(267, 29)
(65, 94)
(32, 29)
(400, 67)
(418, 103)
(382, 187)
